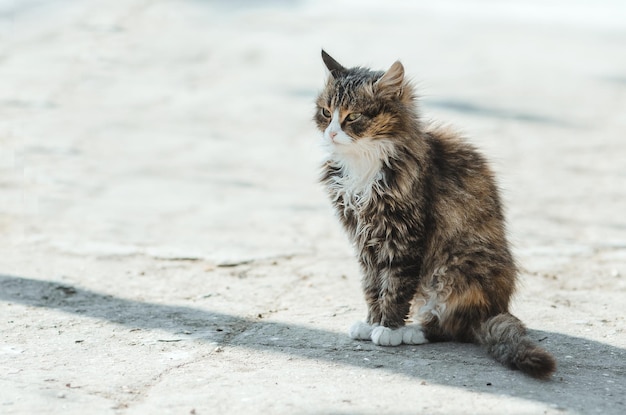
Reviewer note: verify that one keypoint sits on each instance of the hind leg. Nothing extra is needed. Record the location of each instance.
(433, 331)
(451, 321)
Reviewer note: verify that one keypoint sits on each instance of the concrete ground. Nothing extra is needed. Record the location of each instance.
(164, 245)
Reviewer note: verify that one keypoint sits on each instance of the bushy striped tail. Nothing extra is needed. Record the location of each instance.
(505, 338)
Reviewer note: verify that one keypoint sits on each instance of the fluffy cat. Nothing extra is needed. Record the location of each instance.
(422, 209)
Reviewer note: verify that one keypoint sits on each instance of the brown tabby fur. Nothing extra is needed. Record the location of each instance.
(429, 228)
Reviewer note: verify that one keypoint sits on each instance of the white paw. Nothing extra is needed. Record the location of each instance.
(361, 331)
(384, 336)
(413, 334)
(409, 334)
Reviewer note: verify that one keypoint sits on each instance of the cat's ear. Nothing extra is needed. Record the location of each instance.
(333, 66)
(391, 82)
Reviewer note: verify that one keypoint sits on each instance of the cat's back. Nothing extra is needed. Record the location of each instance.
(464, 192)
(453, 156)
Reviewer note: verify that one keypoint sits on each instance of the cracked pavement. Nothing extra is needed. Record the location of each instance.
(165, 247)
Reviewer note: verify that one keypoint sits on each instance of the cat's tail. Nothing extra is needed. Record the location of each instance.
(506, 340)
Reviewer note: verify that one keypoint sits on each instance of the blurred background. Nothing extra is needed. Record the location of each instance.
(165, 245)
(182, 128)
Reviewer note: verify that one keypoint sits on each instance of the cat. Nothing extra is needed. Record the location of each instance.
(423, 211)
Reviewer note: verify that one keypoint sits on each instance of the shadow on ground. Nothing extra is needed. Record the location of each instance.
(596, 368)
(471, 108)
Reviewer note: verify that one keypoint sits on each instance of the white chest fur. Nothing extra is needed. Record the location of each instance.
(360, 162)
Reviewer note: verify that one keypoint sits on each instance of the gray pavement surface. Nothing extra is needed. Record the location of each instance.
(164, 245)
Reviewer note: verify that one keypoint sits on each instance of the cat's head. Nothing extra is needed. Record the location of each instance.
(359, 105)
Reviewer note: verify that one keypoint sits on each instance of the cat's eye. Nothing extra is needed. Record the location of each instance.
(353, 116)
(325, 112)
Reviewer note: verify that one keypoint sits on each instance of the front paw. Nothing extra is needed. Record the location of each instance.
(409, 334)
(361, 331)
(384, 336)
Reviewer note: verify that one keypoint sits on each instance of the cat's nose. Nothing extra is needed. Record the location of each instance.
(332, 134)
